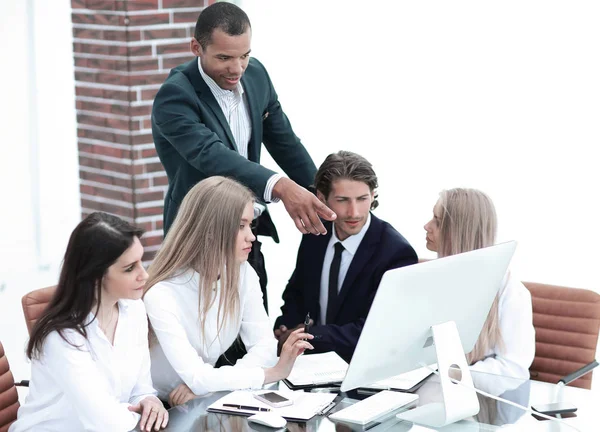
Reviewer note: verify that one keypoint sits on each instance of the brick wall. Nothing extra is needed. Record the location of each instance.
(123, 50)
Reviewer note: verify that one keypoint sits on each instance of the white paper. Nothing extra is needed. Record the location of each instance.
(318, 369)
(403, 381)
(305, 406)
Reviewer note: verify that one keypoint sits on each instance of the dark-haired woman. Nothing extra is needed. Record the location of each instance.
(90, 365)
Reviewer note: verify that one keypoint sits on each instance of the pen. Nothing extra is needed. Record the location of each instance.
(246, 407)
(307, 322)
(328, 408)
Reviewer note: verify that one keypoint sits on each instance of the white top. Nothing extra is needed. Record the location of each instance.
(183, 356)
(351, 245)
(90, 389)
(235, 109)
(518, 335)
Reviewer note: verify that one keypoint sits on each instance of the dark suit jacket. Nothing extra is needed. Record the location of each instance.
(193, 139)
(381, 249)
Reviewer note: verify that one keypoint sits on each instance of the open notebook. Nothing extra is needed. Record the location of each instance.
(317, 370)
(329, 369)
(305, 406)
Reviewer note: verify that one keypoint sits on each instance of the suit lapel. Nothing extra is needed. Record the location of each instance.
(363, 255)
(206, 96)
(255, 119)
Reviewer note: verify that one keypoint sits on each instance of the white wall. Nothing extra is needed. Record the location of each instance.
(498, 96)
(502, 97)
(39, 182)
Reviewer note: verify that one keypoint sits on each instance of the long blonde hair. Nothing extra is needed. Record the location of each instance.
(468, 222)
(203, 238)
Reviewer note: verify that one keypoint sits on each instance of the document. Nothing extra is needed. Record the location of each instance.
(317, 369)
(305, 406)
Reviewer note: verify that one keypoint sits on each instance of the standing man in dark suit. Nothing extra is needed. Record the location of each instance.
(212, 114)
(337, 275)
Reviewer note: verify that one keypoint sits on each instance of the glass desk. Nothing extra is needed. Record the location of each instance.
(493, 415)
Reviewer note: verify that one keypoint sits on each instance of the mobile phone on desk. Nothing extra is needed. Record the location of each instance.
(274, 399)
(555, 408)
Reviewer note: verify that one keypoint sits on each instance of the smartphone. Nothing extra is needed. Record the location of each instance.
(274, 399)
(555, 408)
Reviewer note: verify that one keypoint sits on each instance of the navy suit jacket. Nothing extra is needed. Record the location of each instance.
(382, 248)
(193, 139)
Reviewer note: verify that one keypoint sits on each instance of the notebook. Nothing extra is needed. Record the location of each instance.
(317, 370)
(305, 406)
(407, 382)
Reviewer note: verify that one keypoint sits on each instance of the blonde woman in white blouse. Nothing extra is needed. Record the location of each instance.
(465, 220)
(90, 365)
(202, 294)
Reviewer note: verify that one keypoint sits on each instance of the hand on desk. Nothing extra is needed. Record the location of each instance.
(180, 395)
(153, 413)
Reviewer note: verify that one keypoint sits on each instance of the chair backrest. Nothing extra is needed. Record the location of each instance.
(9, 398)
(35, 303)
(566, 321)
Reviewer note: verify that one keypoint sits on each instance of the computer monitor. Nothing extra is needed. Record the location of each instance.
(397, 337)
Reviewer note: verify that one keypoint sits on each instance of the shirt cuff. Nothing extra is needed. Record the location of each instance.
(258, 379)
(269, 188)
(136, 400)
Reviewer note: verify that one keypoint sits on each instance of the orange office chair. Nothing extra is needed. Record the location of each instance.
(566, 322)
(9, 398)
(35, 303)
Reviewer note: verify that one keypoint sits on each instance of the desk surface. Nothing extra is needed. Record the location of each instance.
(493, 415)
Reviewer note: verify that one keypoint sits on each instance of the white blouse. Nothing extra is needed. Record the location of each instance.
(90, 388)
(516, 327)
(183, 355)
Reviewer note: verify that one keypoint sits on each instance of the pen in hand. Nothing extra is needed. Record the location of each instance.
(307, 322)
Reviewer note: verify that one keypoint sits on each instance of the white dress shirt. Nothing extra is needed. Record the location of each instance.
(515, 316)
(90, 389)
(351, 245)
(235, 108)
(182, 355)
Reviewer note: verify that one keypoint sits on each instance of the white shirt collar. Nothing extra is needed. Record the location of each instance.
(217, 91)
(123, 307)
(352, 243)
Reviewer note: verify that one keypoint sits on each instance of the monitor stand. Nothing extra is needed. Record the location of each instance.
(458, 402)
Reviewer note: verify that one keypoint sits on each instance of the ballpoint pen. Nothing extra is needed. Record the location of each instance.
(245, 407)
(307, 322)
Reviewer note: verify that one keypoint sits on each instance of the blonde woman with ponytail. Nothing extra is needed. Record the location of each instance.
(202, 294)
(465, 220)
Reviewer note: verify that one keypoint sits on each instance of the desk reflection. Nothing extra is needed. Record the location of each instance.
(193, 416)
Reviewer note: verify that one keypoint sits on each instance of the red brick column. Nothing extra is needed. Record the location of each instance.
(123, 50)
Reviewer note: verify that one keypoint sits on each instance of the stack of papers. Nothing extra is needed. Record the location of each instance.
(317, 369)
(305, 406)
(405, 382)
